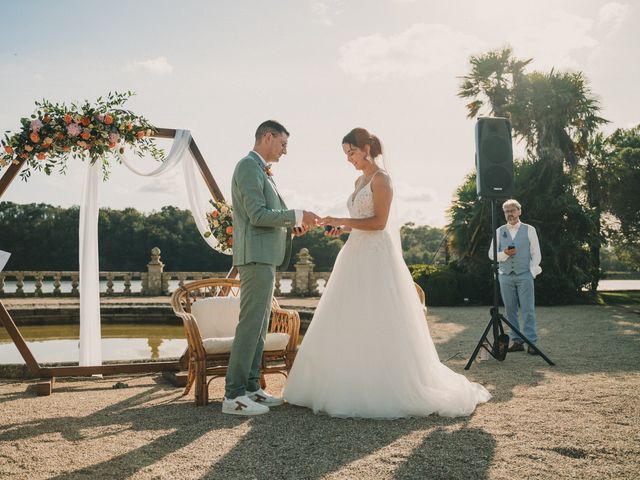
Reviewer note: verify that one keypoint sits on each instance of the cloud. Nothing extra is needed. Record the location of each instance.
(611, 16)
(554, 43)
(416, 52)
(325, 12)
(415, 204)
(156, 66)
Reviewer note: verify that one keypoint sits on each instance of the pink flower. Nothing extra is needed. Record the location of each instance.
(114, 137)
(73, 129)
(36, 125)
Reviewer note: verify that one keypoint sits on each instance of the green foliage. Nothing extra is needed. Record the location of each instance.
(557, 116)
(623, 181)
(549, 205)
(423, 244)
(56, 131)
(439, 282)
(323, 249)
(43, 237)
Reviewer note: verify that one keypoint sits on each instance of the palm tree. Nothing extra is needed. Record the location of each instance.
(492, 81)
(556, 116)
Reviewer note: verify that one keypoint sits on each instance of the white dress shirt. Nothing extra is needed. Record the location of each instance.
(534, 247)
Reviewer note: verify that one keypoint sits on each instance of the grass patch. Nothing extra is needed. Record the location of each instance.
(628, 297)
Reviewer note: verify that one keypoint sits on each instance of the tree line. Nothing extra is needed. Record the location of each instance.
(579, 187)
(45, 237)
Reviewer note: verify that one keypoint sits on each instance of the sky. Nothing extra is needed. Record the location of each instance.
(220, 68)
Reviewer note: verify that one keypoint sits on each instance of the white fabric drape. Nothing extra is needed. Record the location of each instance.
(178, 149)
(90, 341)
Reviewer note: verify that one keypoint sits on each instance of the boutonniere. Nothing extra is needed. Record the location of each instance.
(267, 169)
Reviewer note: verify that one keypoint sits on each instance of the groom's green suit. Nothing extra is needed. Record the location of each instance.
(261, 242)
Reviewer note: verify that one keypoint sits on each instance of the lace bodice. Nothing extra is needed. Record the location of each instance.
(361, 205)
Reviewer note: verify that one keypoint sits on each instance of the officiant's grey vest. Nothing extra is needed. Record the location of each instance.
(521, 261)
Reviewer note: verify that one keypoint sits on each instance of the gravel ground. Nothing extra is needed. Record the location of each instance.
(579, 419)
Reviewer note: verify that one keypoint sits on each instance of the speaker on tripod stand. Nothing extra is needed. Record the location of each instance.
(494, 158)
(495, 180)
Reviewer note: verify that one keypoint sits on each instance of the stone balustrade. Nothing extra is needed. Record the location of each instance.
(302, 282)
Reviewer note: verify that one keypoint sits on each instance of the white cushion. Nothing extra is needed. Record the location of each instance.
(274, 341)
(217, 316)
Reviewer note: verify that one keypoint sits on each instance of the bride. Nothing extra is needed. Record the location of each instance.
(368, 352)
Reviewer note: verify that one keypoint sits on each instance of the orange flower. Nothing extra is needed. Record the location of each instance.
(229, 230)
(8, 149)
(85, 135)
(41, 156)
(46, 119)
(68, 118)
(85, 121)
(35, 138)
(60, 136)
(47, 141)
(129, 126)
(108, 119)
(214, 214)
(112, 145)
(66, 148)
(230, 242)
(140, 134)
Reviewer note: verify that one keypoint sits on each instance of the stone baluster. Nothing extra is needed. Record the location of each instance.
(57, 276)
(109, 291)
(20, 284)
(38, 283)
(74, 284)
(277, 292)
(127, 283)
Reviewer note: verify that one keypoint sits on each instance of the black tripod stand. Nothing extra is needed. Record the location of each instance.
(500, 339)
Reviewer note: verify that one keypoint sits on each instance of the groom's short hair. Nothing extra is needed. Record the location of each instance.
(270, 126)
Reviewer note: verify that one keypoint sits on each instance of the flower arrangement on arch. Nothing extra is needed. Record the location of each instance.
(56, 131)
(220, 221)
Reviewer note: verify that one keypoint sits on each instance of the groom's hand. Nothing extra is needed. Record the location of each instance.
(299, 231)
(309, 219)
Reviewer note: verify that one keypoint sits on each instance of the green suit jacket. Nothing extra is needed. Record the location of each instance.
(261, 221)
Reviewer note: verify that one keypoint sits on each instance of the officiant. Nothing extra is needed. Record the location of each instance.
(519, 263)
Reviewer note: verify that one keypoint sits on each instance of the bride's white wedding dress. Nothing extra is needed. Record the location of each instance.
(368, 352)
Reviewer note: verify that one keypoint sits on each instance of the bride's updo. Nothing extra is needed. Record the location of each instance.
(359, 137)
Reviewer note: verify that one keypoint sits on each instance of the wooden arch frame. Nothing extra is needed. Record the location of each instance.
(49, 373)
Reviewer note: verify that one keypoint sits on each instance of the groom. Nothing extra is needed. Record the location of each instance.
(262, 227)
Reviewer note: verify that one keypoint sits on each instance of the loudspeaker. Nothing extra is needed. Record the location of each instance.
(494, 158)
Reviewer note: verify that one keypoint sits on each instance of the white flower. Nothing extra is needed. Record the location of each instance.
(216, 224)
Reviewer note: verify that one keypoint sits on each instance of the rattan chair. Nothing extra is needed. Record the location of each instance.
(202, 364)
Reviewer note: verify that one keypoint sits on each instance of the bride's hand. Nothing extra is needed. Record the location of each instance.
(328, 221)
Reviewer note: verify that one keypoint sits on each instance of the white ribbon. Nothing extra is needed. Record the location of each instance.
(90, 341)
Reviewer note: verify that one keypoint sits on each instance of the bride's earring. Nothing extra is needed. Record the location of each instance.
(368, 158)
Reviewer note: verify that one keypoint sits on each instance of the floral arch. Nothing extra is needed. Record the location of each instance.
(98, 132)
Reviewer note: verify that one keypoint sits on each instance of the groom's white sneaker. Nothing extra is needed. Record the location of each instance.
(263, 398)
(243, 405)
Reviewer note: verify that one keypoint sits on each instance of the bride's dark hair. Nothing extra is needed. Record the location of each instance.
(359, 137)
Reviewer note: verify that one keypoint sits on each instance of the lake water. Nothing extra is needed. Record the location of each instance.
(59, 343)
